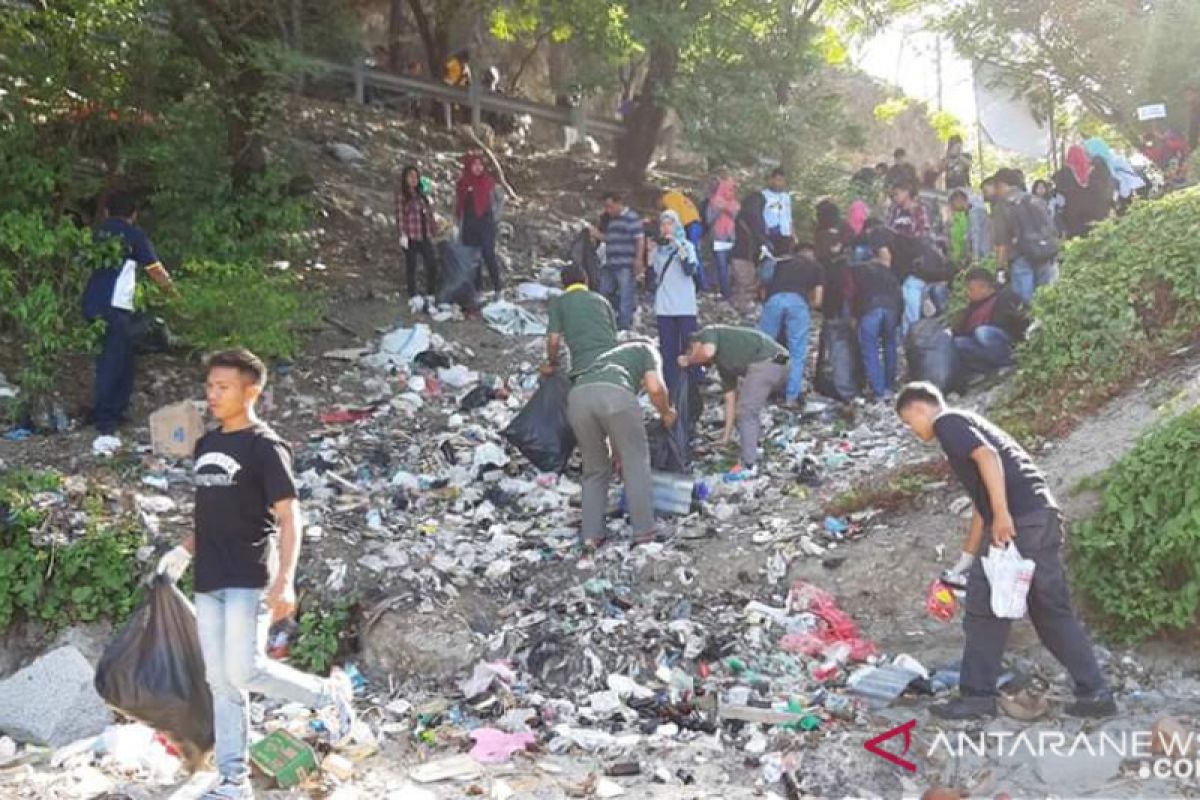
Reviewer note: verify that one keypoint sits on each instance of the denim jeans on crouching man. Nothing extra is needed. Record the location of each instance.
(620, 289)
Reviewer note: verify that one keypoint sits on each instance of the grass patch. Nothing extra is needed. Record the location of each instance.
(896, 490)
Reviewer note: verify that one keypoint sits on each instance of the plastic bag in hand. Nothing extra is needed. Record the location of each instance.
(1010, 576)
(153, 671)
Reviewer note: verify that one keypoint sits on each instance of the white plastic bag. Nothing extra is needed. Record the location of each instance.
(1010, 576)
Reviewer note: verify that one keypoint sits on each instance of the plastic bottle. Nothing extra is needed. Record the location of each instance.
(836, 655)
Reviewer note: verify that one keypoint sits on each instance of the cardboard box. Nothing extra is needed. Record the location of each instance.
(175, 429)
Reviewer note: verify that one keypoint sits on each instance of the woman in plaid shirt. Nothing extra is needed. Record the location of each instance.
(414, 218)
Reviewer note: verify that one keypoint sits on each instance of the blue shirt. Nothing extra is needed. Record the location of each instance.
(137, 252)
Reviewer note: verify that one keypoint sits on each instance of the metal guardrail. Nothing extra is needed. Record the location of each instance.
(472, 97)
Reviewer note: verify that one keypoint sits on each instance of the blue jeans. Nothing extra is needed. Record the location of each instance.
(987, 349)
(114, 371)
(233, 626)
(618, 286)
(914, 297)
(721, 259)
(673, 334)
(695, 235)
(1025, 278)
(788, 310)
(879, 325)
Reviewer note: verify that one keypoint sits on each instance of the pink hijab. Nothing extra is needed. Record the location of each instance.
(856, 217)
(725, 195)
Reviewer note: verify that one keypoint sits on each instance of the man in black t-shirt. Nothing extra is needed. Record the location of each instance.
(1013, 502)
(794, 290)
(245, 501)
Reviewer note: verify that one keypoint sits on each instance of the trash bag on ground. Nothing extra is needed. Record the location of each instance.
(670, 449)
(541, 431)
(582, 253)
(931, 354)
(839, 367)
(149, 334)
(1010, 575)
(456, 276)
(153, 671)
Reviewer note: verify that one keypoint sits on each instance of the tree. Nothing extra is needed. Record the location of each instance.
(1103, 56)
(728, 68)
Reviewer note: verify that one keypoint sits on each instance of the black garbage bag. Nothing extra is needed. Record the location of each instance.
(149, 334)
(153, 671)
(478, 397)
(839, 367)
(541, 431)
(931, 354)
(431, 359)
(670, 448)
(456, 276)
(583, 253)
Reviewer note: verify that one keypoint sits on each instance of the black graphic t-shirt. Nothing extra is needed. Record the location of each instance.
(238, 477)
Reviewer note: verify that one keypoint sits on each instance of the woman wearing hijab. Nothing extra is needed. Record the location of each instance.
(1124, 178)
(856, 231)
(721, 216)
(1075, 186)
(674, 264)
(417, 226)
(475, 210)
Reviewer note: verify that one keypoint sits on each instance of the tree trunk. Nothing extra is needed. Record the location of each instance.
(395, 28)
(645, 120)
(434, 39)
(244, 140)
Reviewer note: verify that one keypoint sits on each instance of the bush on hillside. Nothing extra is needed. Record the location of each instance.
(1129, 295)
(1138, 560)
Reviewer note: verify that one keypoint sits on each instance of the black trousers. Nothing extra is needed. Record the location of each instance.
(424, 250)
(482, 234)
(1038, 538)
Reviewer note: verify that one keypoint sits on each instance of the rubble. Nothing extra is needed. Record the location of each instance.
(52, 702)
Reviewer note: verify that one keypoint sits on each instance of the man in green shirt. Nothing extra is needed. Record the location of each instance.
(761, 363)
(584, 319)
(603, 408)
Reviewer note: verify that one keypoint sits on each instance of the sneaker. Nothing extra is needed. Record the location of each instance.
(342, 690)
(229, 789)
(1095, 707)
(106, 446)
(741, 473)
(965, 708)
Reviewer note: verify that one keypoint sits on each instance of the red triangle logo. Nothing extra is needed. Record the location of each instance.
(872, 745)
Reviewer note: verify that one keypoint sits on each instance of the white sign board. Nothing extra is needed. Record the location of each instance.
(1153, 111)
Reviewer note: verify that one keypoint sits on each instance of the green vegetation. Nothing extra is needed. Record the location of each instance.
(93, 98)
(1136, 560)
(323, 636)
(45, 578)
(897, 490)
(1128, 297)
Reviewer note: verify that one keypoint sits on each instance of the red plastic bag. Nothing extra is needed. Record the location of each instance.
(940, 601)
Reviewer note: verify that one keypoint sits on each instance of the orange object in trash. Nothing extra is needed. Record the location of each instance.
(940, 601)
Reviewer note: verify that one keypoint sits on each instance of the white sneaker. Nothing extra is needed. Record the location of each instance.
(229, 789)
(106, 446)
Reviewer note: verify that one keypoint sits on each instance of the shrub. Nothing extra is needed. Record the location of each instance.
(1138, 560)
(322, 636)
(1129, 295)
(228, 305)
(62, 582)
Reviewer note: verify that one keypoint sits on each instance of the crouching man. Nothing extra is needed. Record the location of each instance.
(1013, 505)
(603, 410)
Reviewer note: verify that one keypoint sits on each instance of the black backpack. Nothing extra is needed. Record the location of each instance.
(1037, 240)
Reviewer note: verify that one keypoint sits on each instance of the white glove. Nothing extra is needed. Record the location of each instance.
(174, 563)
(403, 241)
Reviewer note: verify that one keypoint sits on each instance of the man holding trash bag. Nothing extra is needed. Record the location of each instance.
(245, 501)
(1012, 502)
(603, 410)
(583, 319)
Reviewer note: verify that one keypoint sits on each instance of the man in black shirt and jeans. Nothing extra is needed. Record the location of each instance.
(1014, 503)
(245, 501)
